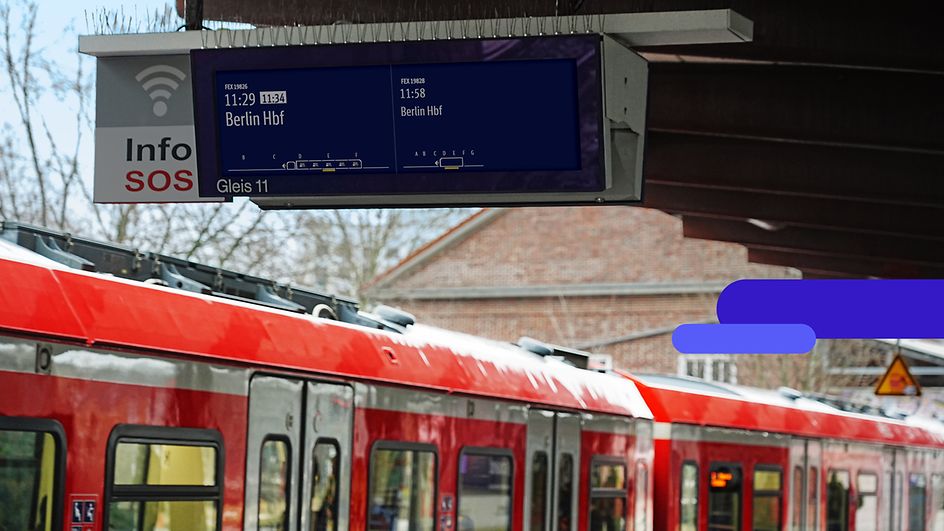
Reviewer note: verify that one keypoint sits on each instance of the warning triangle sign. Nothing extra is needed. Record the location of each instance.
(898, 381)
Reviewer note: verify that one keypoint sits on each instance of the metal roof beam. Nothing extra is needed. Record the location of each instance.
(825, 106)
(819, 242)
(794, 168)
(776, 209)
(833, 264)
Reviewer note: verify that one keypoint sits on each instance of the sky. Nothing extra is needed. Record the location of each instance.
(59, 24)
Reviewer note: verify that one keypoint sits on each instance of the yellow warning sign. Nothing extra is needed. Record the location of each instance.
(898, 381)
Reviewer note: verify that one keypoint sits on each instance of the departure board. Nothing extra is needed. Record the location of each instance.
(479, 116)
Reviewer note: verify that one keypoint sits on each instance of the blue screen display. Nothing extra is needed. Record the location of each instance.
(499, 120)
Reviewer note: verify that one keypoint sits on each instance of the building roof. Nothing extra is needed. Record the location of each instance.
(566, 252)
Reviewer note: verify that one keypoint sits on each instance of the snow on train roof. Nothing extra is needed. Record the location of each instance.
(108, 310)
(691, 400)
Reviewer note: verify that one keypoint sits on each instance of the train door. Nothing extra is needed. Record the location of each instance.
(297, 455)
(326, 460)
(797, 478)
(553, 457)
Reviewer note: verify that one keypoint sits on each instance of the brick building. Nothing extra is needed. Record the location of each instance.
(613, 280)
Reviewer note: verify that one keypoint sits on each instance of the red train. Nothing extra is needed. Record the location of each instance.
(165, 395)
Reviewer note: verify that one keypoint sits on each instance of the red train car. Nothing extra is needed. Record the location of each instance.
(731, 458)
(200, 399)
(132, 405)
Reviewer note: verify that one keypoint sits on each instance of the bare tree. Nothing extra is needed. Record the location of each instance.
(42, 181)
(343, 250)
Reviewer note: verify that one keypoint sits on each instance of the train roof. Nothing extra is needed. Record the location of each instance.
(55, 300)
(693, 401)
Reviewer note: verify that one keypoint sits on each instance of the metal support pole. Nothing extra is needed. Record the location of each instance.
(193, 15)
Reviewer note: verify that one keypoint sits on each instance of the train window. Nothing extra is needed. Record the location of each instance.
(866, 518)
(688, 497)
(607, 494)
(917, 493)
(538, 508)
(324, 485)
(837, 500)
(768, 494)
(899, 496)
(170, 476)
(937, 503)
(565, 493)
(484, 493)
(31, 467)
(796, 516)
(274, 473)
(402, 487)
(724, 497)
(812, 493)
(608, 476)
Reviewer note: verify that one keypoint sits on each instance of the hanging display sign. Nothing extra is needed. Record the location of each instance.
(474, 121)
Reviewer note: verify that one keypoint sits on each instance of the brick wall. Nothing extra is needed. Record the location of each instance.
(576, 245)
(572, 247)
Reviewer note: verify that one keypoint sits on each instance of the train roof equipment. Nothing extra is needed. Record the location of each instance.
(111, 296)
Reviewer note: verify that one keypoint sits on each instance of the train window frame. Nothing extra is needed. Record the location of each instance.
(813, 489)
(694, 464)
(937, 498)
(535, 499)
(609, 492)
(924, 501)
(798, 502)
(57, 432)
(329, 441)
(287, 493)
(862, 493)
(845, 503)
(409, 446)
(566, 504)
(778, 493)
(488, 451)
(714, 465)
(147, 434)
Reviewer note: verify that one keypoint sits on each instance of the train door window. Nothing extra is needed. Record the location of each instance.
(867, 502)
(538, 506)
(641, 496)
(31, 473)
(812, 493)
(899, 496)
(325, 465)
(866, 518)
(688, 497)
(917, 494)
(797, 498)
(163, 478)
(724, 497)
(768, 495)
(937, 503)
(402, 487)
(484, 493)
(274, 469)
(608, 494)
(565, 493)
(837, 500)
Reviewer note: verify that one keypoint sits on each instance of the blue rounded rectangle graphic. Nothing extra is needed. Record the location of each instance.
(744, 339)
(840, 309)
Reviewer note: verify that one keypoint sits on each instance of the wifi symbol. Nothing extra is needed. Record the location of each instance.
(160, 87)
